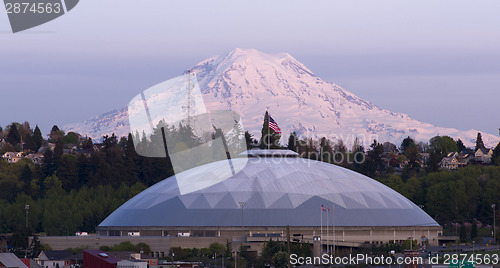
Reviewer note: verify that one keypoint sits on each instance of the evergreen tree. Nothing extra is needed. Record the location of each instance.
(88, 145)
(358, 157)
(56, 134)
(249, 140)
(311, 151)
(434, 160)
(26, 174)
(292, 142)
(58, 152)
(29, 143)
(496, 155)
(13, 136)
(48, 162)
(479, 141)
(325, 150)
(463, 233)
(473, 231)
(269, 138)
(68, 172)
(37, 138)
(7, 147)
(460, 145)
(407, 142)
(410, 151)
(373, 163)
(340, 150)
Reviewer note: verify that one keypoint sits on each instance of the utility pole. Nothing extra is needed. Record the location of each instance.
(494, 223)
(27, 208)
(242, 205)
(235, 258)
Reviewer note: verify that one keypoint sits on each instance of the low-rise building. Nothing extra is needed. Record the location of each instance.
(483, 155)
(151, 261)
(61, 258)
(11, 260)
(12, 157)
(132, 264)
(450, 163)
(99, 259)
(36, 158)
(454, 160)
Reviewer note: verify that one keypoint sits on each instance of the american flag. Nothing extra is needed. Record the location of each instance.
(323, 208)
(274, 126)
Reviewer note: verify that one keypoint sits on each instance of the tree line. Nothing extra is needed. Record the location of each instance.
(72, 192)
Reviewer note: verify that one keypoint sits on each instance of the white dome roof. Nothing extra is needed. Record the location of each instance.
(277, 191)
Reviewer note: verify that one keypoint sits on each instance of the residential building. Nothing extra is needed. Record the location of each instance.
(449, 162)
(99, 259)
(179, 264)
(132, 264)
(483, 155)
(52, 258)
(12, 157)
(152, 261)
(10, 260)
(37, 158)
(454, 160)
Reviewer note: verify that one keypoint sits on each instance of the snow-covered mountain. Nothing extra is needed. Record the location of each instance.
(250, 82)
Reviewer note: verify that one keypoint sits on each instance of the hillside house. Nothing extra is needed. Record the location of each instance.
(449, 162)
(12, 157)
(455, 160)
(483, 155)
(36, 158)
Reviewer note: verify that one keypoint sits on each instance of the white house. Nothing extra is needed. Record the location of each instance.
(449, 162)
(53, 258)
(483, 155)
(12, 157)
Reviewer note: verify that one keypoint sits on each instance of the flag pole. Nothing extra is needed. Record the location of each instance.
(327, 234)
(333, 227)
(268, 131)
(321, 233)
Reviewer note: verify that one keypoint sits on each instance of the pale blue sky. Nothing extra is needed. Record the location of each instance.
(438, 61)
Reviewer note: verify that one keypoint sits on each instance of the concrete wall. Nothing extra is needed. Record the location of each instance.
(254, 237)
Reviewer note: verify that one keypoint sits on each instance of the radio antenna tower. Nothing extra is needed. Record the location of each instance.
(189, 104)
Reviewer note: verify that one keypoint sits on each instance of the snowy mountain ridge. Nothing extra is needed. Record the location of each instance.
(250, 82)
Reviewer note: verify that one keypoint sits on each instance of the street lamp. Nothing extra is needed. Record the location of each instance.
(473, 242)
(494, 223)
(242, 205)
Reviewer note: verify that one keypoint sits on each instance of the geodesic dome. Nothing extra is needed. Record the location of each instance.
(276, 189)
